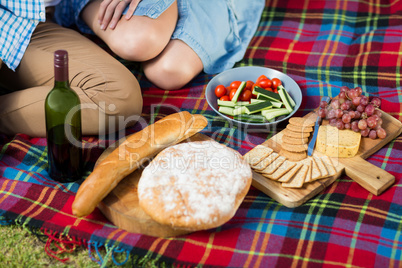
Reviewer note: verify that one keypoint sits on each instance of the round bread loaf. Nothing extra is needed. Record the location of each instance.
(194, 185)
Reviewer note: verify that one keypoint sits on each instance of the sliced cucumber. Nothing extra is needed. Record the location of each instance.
(238, 91)
(226, 110)
(266, 93)
(292, 102)
(226, 103)
(285, 98)
(250, 118)
(276, 104)
(239, 110)
(257, 107)
(256, 101)
(273, 113)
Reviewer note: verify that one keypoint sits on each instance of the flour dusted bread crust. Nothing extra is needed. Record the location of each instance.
(194, 185)
(131, 154)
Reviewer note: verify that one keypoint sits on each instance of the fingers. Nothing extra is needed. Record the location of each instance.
(131, 8)
(110, 12)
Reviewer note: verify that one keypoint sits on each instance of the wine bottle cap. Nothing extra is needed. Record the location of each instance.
(60, 58)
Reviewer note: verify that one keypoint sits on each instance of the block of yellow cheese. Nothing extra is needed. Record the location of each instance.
(337, 143)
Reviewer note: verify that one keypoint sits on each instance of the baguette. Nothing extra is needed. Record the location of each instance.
(131, 154)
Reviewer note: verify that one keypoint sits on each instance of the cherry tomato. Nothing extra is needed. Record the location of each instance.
(225, 98)
(265, 83)
(235, 84)
(276, 83)
(249, 85)
(260, 78)
(245, 95)
(232, 93)
(220, 91)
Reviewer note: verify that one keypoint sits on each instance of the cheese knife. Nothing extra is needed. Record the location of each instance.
(311, 145)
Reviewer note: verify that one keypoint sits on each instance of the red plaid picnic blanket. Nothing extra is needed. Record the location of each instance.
(322, 45)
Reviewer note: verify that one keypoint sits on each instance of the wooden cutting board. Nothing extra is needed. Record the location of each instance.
(122, 208)
(369, 176)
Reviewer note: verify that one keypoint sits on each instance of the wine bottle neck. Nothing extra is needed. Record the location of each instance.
(61, 74)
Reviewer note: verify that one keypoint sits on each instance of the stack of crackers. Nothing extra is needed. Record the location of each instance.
(295, 138)
(290, 173)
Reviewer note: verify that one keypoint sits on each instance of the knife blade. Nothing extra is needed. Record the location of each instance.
(311, 145)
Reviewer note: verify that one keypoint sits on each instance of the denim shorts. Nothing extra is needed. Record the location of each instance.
(219, 31)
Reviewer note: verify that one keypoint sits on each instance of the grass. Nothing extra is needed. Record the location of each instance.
(20, 248)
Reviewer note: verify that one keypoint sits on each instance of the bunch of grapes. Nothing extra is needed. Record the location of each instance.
(352, 110)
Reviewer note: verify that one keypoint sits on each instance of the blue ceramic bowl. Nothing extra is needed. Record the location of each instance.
(252, 73)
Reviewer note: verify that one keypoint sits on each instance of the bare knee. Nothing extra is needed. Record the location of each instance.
(137, 46)
(169, 75)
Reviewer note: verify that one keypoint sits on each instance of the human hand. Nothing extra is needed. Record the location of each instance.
(110, 12)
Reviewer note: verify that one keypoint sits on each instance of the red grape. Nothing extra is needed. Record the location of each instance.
(381, 133)
(369, 110)
(364, 100)
(365, 132)
(356, 101)
(358, 90)
(342, 95)
(371, 122)
(378, 112)
(346, 118)
(372, 134)
(323, 104)
(360, 108)
(339, 124)
(322, 113)
(354, 126)
(335, 104)
(376, 102)
(338, 113)
(362, 124)
(333, 121)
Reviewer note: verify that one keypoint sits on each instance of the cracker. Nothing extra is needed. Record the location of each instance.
(255, 156)
(281, 170)
(274, 165)
(291, 140)
(321, 166)
(328, 164)
(302, 121)
(293, 134)
(302, 129)
(293, 156)
(308, 162)
(289, 175)
(265, 162)
(294, 147)
(297, 180)
(315, 170)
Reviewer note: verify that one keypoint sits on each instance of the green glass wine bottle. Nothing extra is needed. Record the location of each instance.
(63, 125)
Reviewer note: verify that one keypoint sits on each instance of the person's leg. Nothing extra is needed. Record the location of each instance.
(109, 92)
(177, 65)
(138, 39)
(169, 64)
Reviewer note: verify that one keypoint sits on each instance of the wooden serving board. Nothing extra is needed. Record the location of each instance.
(122, 208)
(369, 176)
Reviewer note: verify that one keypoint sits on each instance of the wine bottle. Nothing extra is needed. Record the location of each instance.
(63, 125)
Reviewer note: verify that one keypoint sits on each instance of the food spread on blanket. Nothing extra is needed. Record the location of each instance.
(195, 196)
(255, 102)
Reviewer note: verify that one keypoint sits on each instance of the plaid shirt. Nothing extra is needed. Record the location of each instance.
(18, 20)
